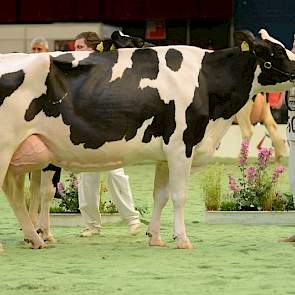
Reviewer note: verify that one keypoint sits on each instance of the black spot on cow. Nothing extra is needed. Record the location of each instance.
(100, 111)
(145, 63)
(64, 61)
(225, 81)
(174, 59)
(163, 123)
(56, 92)
(9, 83)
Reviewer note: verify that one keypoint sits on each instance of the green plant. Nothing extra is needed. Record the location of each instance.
(106, 205)
(283, 202)
(68, 192)
(256, 187)
(211, 186)
(229, 205)
(142, 209)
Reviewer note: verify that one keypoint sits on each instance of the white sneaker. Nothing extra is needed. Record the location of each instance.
(134, 229)
(88, 232)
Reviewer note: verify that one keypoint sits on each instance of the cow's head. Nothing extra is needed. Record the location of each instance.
(125, 41)
(277, 63)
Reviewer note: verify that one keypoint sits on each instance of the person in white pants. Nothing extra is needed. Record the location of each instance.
(118, 184)
(291, 134)
(89, 198)
(291, 139)
(291, 142)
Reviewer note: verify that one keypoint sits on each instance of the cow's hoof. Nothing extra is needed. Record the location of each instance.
(50, 239)
(157, 242)
(45, 236)
(289, 240)
(184, 245)
(38, 244)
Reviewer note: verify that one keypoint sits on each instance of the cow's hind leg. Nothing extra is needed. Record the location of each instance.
(47, 190)
(13, 187)
(161, 196)
(35, 180)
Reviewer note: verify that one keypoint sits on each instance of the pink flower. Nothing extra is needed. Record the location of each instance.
(244, 152)
(233, 184)
(263, 157)
(76, 182)
(276, 173)
(60, 187)
(280, 169)
(251, 173)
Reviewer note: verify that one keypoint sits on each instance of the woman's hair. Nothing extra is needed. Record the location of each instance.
(91, 39)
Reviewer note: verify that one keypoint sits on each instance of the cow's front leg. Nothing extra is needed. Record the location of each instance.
(47, 190)
(13, 187)
(161, 196)
(179, 171)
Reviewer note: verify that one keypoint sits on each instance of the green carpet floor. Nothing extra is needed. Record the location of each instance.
(226, 259)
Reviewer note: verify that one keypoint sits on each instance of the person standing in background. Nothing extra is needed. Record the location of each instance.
(39, 44)
(291, 133)
(290, 102)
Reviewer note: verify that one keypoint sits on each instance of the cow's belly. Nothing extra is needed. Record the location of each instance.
(55, 135)
(109, 156)
(37, 151)
(204, 151)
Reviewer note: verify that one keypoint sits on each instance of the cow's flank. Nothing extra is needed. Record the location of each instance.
(105, 113)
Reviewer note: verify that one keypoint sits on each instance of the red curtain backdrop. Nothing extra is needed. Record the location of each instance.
(60, 10)
(8, 12)
(26, 11)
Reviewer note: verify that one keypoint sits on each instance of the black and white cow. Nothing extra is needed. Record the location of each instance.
(86, 112)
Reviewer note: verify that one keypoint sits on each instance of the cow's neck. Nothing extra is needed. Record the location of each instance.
(229, 76)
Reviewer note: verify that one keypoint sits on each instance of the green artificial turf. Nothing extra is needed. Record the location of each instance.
(226, 259)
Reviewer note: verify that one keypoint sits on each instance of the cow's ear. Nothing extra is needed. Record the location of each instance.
(245, 40)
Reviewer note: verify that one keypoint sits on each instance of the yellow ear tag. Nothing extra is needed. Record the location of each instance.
(113, 47)
(99, 47)
(245, 46)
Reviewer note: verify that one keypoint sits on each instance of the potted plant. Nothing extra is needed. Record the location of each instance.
(254, 197)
